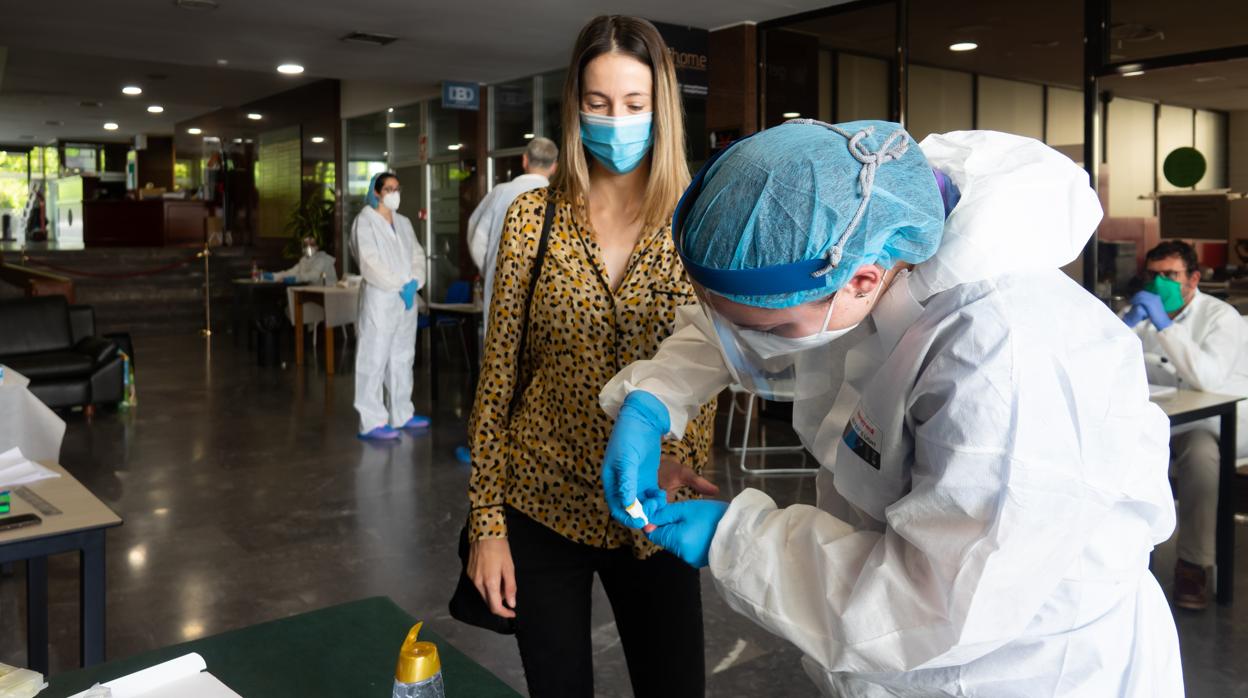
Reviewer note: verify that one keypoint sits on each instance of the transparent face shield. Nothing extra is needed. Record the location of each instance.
(768, 365)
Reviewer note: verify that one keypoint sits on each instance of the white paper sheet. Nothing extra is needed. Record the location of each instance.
(183, 677)
(16, 470)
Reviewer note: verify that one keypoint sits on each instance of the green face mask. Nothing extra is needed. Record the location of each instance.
(1171, 292)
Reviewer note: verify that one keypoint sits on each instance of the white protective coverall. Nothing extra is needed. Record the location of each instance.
(389, 257)
(1008, 481)
(485, 227)
(310, 271)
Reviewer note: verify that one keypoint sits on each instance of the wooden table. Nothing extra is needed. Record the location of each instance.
(346, 650)
(318, 295)
(73, 520)
(1185, 407)
(469, 312)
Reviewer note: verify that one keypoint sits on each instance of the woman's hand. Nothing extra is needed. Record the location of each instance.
(494, 575)
(673, 474)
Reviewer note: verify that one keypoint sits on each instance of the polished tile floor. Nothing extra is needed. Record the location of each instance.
(247, 497)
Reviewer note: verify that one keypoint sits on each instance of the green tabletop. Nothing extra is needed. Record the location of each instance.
(346, 650)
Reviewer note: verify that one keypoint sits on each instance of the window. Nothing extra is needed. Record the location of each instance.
(14, 183)
(512, 106)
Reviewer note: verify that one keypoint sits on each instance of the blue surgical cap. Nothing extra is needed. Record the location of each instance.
(371, 197)
(789, 194)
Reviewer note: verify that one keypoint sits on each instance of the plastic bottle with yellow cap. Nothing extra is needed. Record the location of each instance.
(419, 672)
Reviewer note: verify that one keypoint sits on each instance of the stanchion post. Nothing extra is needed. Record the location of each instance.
(207, 330)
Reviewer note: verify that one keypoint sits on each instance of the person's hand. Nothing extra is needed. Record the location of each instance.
(1151, 304)
(684, 529)
(1135, 316)
(631, 464)
(674, 474)
(494, 575)
(408, 294)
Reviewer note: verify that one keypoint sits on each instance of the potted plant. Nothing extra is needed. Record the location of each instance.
(313, 217)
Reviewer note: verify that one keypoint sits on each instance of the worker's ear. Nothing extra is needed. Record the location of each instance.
(524, 161)
(865, 280)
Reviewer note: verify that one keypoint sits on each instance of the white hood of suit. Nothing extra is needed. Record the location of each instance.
(1024, 207)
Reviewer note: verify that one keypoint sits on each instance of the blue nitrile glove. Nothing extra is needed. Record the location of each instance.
(1135, 316)
(631, 464)
(266, 276)
(1150, 303)
(685, 529)
(408, 293)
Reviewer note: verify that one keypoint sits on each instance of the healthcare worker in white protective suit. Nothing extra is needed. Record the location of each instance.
(994, 476)
(392, 263)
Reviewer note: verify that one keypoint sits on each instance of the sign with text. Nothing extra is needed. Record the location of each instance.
(461, 95)
(688, 47)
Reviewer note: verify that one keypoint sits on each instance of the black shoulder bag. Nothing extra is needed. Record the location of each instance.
(467, 605)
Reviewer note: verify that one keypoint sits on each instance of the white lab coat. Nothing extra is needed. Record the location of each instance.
(485, 227)
(1008, 476)
(389, 257)
(311, 270)
(1208, 348)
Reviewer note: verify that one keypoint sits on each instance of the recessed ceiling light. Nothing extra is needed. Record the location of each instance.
(455, 146)
(54, 122)
(390, 110)
(290, 69)
(1210, 78)
(791, 114)
(110, 126)
(1133, 74)
(529, 136)
(222, 61)
(132, 90)
(155, 109)
(397, 124)
(964, 46)
(318, 139)
(194, 131)
(254, 116)
(238, 140)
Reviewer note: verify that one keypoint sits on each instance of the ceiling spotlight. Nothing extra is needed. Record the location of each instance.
(964, 46)
(455, 146)
(110, 126)
(132, 90)
(318, 139)
(1133, 74)
(397, 124)
(155, 109)
(194, 131)
(238, 140)
(529, 136)
(390, 110)
(791, 114)
(254, 116)
(222, 61)
(290, 69)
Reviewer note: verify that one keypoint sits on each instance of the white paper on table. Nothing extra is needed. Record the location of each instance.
(184, 677)
(1157, 392)
(16, 470)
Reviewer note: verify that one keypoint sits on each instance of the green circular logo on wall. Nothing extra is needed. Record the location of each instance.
(1184, 167)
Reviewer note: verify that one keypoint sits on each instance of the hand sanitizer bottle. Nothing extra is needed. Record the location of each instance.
(419, 672)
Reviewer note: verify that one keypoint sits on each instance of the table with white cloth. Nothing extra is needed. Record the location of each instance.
(1187, 406)
(26, 422)
(336, 306)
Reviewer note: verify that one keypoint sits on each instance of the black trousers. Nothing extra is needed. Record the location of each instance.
(657, 604)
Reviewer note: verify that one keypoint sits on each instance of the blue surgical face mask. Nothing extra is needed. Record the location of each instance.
(620, 143)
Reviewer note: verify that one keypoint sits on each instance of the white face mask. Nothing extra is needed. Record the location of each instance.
(391, 200)
(309, 250)
(768, 345)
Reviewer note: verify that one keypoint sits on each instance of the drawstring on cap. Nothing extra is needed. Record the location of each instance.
(892, 149)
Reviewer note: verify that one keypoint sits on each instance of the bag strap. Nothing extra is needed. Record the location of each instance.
(538, 261)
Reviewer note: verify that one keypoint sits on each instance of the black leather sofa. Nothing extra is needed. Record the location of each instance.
(53, 344)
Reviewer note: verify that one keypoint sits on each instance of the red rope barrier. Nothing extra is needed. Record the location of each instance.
(125, 275)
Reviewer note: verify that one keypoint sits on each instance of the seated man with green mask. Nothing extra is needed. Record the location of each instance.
(1197, 342)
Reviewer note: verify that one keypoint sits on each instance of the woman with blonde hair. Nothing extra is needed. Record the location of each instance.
(608, 283)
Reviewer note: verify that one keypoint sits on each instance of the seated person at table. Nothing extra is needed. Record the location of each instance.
(1198, 343)
(314, 267)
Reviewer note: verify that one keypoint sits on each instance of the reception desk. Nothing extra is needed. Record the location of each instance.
(146, 223)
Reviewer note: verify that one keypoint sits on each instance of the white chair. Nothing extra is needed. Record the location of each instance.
(745, 449)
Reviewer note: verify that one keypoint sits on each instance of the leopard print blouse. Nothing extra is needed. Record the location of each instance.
(546, 459)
